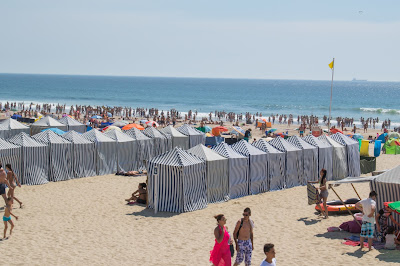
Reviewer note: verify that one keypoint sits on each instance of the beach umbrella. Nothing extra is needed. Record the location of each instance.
(143, 121)
(395, 206)
(129, 126)
(221, 128)
(270, 131)
(120, 123)
(16, 116)
(109, 128)
(109, 114)
(152, 123)
(394, 135)
(96, 117)
(55, 130)
(238, 130)
(357, 136)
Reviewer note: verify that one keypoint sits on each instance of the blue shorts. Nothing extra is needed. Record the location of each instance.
(245, 251)
(367, 230)
(6, 219)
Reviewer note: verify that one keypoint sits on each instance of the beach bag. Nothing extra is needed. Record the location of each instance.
(232, 250)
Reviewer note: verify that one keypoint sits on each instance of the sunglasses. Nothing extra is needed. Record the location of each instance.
(245, 214)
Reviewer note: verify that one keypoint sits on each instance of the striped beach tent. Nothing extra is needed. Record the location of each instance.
(216, 171)
(145, 147)
(83, 154)
(72, 124)
(177, 182)
(258, 163)
(238, 170)
(106, 155)
(276, 164)
(60, 155)
(339, 158)
(34, 160)
(10, 154)
(161, 143)
(195, 136)
(387, 185)
(325, 153)
(11, 127)
(294, 162)
(310, 158)
(178, 139)
(126, 150)
(353, 153)
(46, 122)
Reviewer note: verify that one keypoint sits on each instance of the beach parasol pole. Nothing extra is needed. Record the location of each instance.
(332, 66)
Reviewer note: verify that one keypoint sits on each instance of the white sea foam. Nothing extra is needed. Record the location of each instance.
(380, 110)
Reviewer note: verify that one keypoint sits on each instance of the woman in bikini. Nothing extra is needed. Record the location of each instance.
(13, 180)
(323, 191)
(7, 217)
(140, 195)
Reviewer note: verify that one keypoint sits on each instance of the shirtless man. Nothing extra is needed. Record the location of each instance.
(3, 183)
(243, 236)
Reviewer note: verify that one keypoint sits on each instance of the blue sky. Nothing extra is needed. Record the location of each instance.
(228, 39)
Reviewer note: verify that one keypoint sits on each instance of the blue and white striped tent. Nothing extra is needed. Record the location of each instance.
(276, 164)
(325, 153)
(60, 155)
(178, 139)
(11, 127)
(294, 161)
(238, 170)
(10, 154)
(353, 153)
(161, 143)
(310, 159)
(46, 122)
(72, 124)
(34, 160)
(177, 182)
(126, 150)
(195, 136)
(258, 163)
(106, 152)
(217, 173)
(339, 158)
(145, 147)
(83, 155)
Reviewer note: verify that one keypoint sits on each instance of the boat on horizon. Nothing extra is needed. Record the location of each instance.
(354, 79)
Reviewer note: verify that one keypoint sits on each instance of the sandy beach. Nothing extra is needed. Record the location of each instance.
(86, 221)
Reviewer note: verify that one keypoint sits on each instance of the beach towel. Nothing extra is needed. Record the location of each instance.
(312, 194)
(354, 243)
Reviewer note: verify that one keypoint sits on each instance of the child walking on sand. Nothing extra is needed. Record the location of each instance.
(7, 216)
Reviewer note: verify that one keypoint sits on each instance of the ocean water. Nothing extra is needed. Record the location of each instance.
(297, 97)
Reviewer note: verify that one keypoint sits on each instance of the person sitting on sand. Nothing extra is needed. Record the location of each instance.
(390, 242)
(381, 221)
(13, 180)
(324, 191)
(140, 195)
(7, 217)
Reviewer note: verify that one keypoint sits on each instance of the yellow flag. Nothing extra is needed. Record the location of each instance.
(331, 65)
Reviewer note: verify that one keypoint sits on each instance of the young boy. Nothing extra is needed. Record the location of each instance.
(7, 216)
(269, 251)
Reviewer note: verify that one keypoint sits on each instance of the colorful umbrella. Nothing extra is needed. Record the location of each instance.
(221, 128)
(106, 129)
(55, 130)
(270, 131)
(143, 121)
(152, 123)
(395, 206)
(127, 127)
(96, 117)
(238, 130)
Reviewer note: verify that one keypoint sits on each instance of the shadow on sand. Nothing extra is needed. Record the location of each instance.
(150, 213)
(310, 221)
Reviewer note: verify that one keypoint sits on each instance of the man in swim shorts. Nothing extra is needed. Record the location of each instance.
(3, 183)
(243, 236)
(367, 206)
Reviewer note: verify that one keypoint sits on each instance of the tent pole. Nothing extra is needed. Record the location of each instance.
(331, 187)
(355, 191)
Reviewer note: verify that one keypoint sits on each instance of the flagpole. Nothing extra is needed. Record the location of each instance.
(330, 104)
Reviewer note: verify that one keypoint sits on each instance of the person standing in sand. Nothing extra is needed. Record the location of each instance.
(221, 253)
(243, 236)
(3, 183)
(367, 206)
(7, 217)
(323, 191)
(13, 181)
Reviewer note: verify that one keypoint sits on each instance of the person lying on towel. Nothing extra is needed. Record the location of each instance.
(139, 196)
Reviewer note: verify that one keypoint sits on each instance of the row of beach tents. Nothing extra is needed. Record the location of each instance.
(181, 181)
